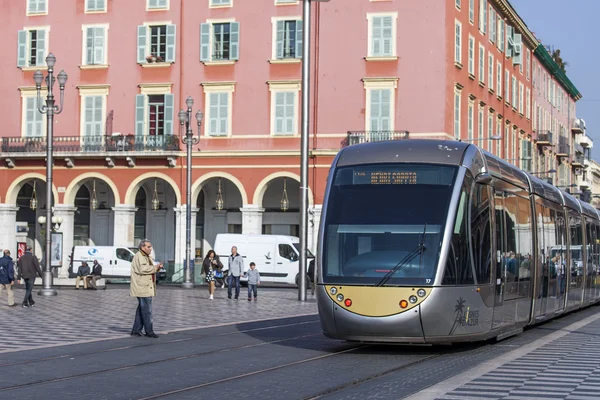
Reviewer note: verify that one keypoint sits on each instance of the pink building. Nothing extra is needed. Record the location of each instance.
(437, 69)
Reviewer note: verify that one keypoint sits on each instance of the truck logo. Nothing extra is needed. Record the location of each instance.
(92, 252)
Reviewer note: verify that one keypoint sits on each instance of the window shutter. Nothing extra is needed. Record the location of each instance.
(279, 39)
(22, 49)
(204, 42)
(376, 36)
(375, 109)
(299, 39)
(223, 113)
(279, 112)
(100, 5)
(385, 109)
(289, 112)
(89, 46)
(169, 114)
(141, 43)
(30, 116)
(41, 47)
(214, 114)
(98, 116)
(140, 103)
(234, 43)
(171, 44)
(99, 46)
(153, 4)
(162, 3)
(387, 36)
(41, 6)
(32, 6)
(90, 5)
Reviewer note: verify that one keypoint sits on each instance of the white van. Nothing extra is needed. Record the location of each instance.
(276, 256)
(115, 260)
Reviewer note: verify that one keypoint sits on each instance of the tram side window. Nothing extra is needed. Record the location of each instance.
(525, 238)
(512, 254)
(459, 268)
(480, 231)
(576, 240)
(560, 243)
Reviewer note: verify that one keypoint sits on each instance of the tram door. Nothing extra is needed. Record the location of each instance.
(500, 259)
(541, 295)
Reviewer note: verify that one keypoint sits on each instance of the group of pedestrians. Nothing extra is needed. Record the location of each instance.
(28, 268)
(212, 267)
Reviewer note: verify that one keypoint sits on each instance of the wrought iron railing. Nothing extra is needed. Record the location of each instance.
(578, 159)
(92, 144)
(356, 137)
(545, 136)
(563, 146)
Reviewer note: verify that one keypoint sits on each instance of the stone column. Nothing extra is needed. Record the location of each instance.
(8, 228)
(314, 220)
(67, 213)
(252, 217)
(124, 225)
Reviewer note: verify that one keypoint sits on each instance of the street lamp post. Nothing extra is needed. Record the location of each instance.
(185, 118)
(50, 109)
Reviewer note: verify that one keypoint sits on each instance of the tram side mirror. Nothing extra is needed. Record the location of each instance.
(483, 178)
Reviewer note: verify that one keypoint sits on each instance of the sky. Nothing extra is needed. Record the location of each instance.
(572, 27)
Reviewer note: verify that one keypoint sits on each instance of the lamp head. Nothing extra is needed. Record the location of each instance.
(199, 117)
(62, 79)
(189, 102)
(50, 60)
(182, 117)
(38, 77)
(42, 220)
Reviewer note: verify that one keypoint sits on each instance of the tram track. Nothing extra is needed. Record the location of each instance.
(150, 344)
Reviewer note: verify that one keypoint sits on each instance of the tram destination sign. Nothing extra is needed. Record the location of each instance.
(385, 178)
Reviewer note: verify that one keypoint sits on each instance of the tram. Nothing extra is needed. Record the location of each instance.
(432, 241)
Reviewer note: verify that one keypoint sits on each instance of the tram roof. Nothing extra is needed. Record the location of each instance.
(588, 209)
(405, 151)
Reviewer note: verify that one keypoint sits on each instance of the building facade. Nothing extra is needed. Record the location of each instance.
(457, 69)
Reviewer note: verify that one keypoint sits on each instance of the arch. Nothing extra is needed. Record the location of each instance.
(76, 183)
(261, 189)
(13, 190)
(137, 183)
(197, 186)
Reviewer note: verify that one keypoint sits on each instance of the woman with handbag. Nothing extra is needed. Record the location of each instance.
(211, 266)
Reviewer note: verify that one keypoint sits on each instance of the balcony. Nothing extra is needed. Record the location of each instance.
(91, 145)
(578, 126)
(356, 137)
(564, 148)
(545, 139)
(586, 141)
(578, 161)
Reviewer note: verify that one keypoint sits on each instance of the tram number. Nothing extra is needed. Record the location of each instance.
(427, 280)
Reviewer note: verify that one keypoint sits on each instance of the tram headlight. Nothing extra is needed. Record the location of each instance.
(340, 297)
(333, 291)
(413, 299)
(421, 292)
(403, 304)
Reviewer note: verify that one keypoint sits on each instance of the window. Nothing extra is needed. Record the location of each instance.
(480, 122)
(507, 86)
(490, 130)
(219, 41)
(514, 93)
(528, 65)
(471, 55)
(483, 16)
(481, 233)
(457, 4)
(287, 39)
(499, 79)
(154, 111)
(528, 104)
(93, 110)
(471, 11)
(94, 45)
(470, 117)
(37, 7)
(286, 251)
(491, 71)
(457, 42)
(521, 95)
(95, 6)
(493, 20)
(499, 133)
(124, 254)
(284, 108)
(156, 43)
(382, 35)
(218, 112)
(500, 41)
(380, 99)
(32, 121)
(457, 93)
(157, 5)
(32, 49)
(221, 3)
(481, 64)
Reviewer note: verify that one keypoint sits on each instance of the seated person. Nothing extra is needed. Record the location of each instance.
(95, 276)
(82, 272)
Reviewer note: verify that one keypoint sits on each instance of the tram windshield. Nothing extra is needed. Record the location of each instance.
(377, 215)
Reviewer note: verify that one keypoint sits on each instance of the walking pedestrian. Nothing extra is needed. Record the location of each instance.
(143, 286)
(253, 281)
(28, 268)
(236, 269)
(7, 277)
(210, 266)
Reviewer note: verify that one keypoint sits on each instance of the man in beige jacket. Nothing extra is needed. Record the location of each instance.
(143, 286)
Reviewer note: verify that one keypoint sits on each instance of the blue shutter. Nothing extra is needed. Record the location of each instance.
(204, 42)
(22, 49)
(168, 114)
(279, 39)
(40, 53)
(142, 38)
(290, 98)
(223, 113)
(88, 116)
(213, 123)
(30, 110)
(376, 36)
(98, 115)
(279, 113)
(140, 103)
(153, 4)
(41, 6)
(234, 41)
(386, 112)
(171, 44)
(89, 46)
(99, 34)
(299, 39)
(375, 107)
(386, 37)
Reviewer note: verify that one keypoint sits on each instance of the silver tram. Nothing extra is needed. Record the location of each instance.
(430, 241)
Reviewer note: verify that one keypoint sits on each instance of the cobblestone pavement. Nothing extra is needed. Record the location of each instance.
(79, 316)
